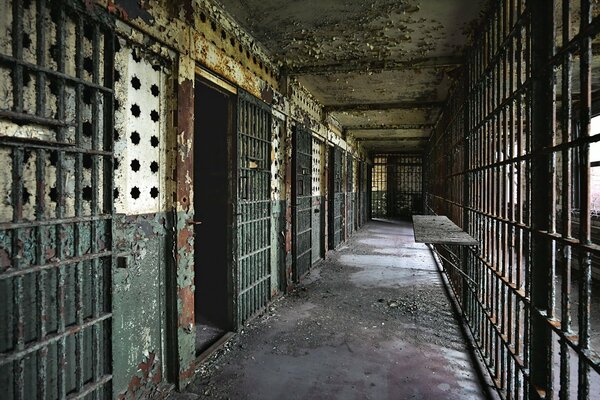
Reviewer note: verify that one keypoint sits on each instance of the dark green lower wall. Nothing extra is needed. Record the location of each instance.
(139, 304)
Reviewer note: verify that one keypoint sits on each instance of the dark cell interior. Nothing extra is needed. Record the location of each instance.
(212, 130)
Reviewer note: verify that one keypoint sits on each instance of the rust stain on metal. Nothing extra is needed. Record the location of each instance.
(186, 314)
(188, 373)
(185, 157)
(144, 384)
(117, 10)
(266, 94)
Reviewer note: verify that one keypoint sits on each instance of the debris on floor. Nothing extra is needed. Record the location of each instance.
(339, 337)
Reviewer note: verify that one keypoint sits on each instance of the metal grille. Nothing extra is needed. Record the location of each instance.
(379, 187)
(351, 201)
(364, 193)
(361, 191)
(56, 103)
(367, 192)
(408, 194)
(253, 206)
(337, 199)
(510, 162)
(302, 200)
(397, 185)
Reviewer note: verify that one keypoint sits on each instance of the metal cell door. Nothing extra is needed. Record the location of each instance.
(56, 212)
(302, 201)
(350, 194)
(364, 193)
(253, 208)
(359, 193)
(338, 197)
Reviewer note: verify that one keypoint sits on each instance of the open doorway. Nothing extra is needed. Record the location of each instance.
(213, 122)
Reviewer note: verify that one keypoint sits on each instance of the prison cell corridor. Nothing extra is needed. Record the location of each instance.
(372, 321)
(385, 199)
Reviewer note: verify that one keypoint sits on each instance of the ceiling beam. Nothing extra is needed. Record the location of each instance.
(404, 105)
(348, 66)
(385, 149)
(387, 127)
(393, 139)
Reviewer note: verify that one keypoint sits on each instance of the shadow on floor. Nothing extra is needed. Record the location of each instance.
(375, 323)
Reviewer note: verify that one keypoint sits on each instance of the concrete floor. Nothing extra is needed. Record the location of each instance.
(371, 322)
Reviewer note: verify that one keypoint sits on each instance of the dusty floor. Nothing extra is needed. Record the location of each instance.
(371, 322)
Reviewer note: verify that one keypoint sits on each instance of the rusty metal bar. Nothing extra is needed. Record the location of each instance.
(585, 279)
(17, 48)
(49, 334)
(16, 356)
(254, 206)
(397, 185)
(527, 166)
(542, 196)
(52, 73)
(77, 234)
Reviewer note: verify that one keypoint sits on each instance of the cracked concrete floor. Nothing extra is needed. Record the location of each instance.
(371, 322)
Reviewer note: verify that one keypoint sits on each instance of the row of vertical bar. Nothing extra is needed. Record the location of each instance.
(510, 161)
(302, 201)
(59, 263)
(397, 185)
(253, 225)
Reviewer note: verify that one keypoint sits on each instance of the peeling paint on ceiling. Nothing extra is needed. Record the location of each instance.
(365, 52)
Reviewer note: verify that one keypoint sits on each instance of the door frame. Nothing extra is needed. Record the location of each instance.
(206, 78)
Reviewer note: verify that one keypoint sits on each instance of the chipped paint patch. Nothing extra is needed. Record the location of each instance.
(144, 384)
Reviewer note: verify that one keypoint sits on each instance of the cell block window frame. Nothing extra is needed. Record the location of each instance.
(379, 187)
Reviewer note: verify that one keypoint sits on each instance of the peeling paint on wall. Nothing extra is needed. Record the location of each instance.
(160, 44)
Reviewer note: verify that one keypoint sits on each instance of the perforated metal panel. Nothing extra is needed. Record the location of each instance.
(253, 255)
(140, 126)
(56, 211)
(318, 165)
(302, 200)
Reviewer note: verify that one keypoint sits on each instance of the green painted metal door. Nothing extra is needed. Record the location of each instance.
(253, 207)
(302, 201)
(350, 194)
(56, 213)
(337, 199)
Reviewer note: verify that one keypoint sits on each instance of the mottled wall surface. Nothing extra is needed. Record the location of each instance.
(139, 309)
(144, 194)
(142, 89)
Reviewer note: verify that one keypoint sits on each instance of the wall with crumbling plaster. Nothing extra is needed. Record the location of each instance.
(159, 45)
